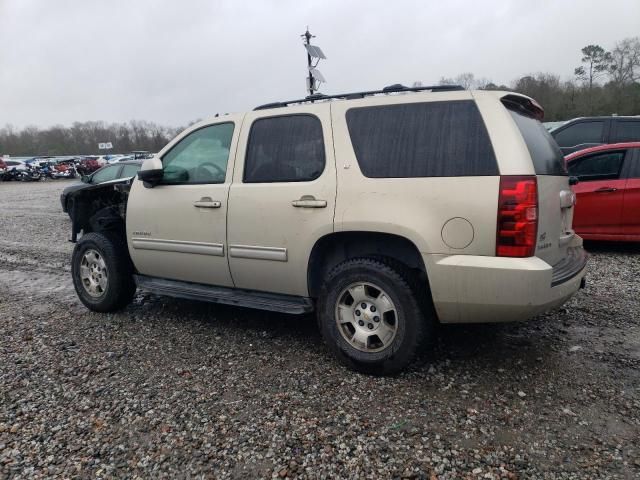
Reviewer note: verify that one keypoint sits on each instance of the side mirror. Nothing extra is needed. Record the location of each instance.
(151, 172)
(573, 180)
(85, 179)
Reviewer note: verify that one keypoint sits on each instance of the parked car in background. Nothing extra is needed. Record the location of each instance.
(108, 173)
(65, 169)
(40, 161)
(553, 125)
(141, 154)
(608, 192)
(120, 158)
(87, 165)
(3, 167)
(581, 133)
(15, 164)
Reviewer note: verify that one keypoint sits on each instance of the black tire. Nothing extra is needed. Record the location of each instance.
(413, 317)
(120, 287)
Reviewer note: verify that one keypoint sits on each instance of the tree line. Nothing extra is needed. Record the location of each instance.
(82, 138)
(604, 83)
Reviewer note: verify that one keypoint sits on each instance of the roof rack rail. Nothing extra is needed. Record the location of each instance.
(396, 88)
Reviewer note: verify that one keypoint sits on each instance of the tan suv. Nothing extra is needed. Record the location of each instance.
(383, 211)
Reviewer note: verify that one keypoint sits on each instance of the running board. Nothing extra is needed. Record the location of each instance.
(229, 296)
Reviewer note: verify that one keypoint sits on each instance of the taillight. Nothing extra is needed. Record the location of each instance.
(517, 216)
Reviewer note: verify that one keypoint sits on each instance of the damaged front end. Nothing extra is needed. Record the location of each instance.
(99, 208)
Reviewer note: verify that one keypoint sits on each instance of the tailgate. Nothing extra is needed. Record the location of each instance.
(555, 215)
(555, 198)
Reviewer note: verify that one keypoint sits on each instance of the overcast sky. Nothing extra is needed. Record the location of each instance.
(174, 61)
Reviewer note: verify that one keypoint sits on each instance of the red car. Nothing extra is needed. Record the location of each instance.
(88, 165)
(608, 192)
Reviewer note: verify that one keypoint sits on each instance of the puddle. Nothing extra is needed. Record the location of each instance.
(35, 283)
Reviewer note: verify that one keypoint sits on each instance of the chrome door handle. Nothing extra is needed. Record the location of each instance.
(207, 202)
(606, 190)
(309, 201)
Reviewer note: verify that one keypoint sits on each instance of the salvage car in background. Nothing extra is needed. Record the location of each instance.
(88, 165)
(108, 173)
(581, 133)
(65, 169)
(608, 192)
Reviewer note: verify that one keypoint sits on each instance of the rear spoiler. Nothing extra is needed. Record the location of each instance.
(524, 105)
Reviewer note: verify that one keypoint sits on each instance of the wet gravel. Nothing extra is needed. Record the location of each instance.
(169, 388)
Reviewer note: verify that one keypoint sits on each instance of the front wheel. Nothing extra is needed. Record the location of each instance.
(371, 317)
(102, 272)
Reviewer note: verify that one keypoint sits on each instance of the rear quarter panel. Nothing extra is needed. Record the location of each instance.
(415, 208)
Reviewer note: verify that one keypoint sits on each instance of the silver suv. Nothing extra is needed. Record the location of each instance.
(383, 211)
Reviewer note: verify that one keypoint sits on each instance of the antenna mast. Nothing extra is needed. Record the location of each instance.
(315, 78)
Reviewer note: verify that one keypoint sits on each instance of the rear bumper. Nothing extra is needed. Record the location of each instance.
(478, 289)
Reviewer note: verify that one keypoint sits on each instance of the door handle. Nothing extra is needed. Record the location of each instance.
(309, 201)
(606, 190)
(207, 202)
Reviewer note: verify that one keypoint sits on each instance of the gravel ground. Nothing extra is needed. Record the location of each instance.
(170, 388)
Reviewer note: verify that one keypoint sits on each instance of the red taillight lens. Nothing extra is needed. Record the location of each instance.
(517, 216)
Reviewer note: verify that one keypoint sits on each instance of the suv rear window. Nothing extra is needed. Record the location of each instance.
(432, 139)
(627, 131)
(546, 155)
(582, 133)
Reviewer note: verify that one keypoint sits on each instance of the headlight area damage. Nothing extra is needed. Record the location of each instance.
(100, 208)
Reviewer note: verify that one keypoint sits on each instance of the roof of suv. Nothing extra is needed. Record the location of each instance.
(515, 99)
(396, 88)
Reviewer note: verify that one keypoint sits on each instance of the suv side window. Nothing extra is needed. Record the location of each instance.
(627, 131)
(200, 157)
(580, 133)
(601, 166)
(285, 149)
(106, 174)
(129, 170)
(429, 139)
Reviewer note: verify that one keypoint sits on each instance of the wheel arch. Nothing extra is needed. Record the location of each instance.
(336, 247)
(101, 208)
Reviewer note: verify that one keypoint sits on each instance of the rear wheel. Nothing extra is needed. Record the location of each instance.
(371, 317)
(102, 272)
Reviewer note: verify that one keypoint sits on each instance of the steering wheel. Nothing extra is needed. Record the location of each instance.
(222, 172)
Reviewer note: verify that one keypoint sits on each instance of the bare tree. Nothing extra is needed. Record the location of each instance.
(624, 66)
(465, 80)
(596, 64)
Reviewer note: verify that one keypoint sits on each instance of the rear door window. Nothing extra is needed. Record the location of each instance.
(627, 131)
(547, 158)
(580, 134)
(431, 139)
(599, 166)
